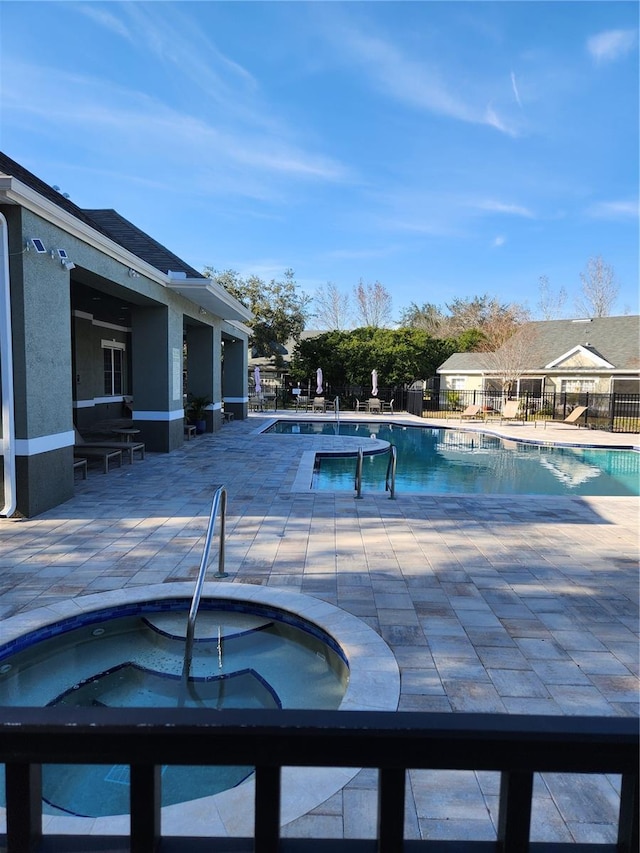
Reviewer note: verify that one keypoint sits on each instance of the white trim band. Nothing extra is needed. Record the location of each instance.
(44, 443)
(175, 415)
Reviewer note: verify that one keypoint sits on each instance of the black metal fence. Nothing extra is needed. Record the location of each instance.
(516, 746)
(611, 412)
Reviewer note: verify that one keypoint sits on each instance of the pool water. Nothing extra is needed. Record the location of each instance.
(450, 461)
(240, 660)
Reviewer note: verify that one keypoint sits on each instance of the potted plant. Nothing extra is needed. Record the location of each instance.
(196, 408)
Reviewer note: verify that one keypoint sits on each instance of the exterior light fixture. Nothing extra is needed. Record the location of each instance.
(37, 244)
(133, 274)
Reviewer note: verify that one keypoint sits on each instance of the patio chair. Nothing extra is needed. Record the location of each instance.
(509, 412)
(129, 447)
(388, 407)
(573, 418)
(374, 405)
(473, 411)
(318, 404)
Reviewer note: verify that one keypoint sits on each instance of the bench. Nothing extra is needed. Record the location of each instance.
(80, 465)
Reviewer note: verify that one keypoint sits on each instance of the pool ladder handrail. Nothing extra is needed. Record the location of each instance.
(392, 464)
(219, 502)
(358, 479)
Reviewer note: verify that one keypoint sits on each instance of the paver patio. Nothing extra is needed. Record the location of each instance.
(490, 603)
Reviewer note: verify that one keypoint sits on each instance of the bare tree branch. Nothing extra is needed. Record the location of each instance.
(373, 304)
(332, 308)
(599, 289)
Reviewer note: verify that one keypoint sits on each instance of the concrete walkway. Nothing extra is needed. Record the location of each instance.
(489, 603)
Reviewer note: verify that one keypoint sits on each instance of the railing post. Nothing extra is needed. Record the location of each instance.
(267, 810)
(145, 800)
(514, 815)
(391, 796)
(628, 833)
(24, 806)
(612, 410)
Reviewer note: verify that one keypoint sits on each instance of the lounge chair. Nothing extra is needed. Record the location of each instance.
(573, 418)
(474, 411)
(129, 447)
(509, 411)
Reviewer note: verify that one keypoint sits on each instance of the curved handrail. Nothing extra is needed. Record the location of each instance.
(358, 480)
(390, 482)
(219, 501)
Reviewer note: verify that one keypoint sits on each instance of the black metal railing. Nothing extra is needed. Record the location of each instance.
(145, 739)
(611, 412)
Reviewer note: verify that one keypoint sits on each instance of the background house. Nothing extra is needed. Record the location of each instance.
(95, 313)
(587, 356)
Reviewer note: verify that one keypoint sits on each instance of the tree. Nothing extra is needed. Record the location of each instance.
(599, 289)
(510, 360)
(373, 304)
(495, 321)
(550, 304)
(332, 308)
(280, 311)
(428, 317)
(347, 358)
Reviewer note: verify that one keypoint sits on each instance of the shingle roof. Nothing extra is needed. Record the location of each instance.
(615, 339)
(108, 222)
(130, 237)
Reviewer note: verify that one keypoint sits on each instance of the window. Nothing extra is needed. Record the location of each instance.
(113, 359)
(457, 383)
(531, 386)
(578, 386)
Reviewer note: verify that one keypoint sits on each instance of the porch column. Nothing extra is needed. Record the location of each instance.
(156, 361)
(235, 377)
(204, 369)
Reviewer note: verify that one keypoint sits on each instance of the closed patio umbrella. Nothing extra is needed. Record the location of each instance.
(374, 383)
(319, 381)
(256, 379)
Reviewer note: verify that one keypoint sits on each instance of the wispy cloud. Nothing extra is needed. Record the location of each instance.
(411, 81)
(516, 92)
(495, 206)
(233, 156)
(108, 21)
(499, 241)
(614, 210)
(610, 45)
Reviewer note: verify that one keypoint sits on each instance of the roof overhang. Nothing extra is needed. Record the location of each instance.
(211, 297)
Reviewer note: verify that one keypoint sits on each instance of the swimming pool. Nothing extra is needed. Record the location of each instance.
(435, 460)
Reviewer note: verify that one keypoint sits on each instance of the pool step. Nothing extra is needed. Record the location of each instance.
(209, 625)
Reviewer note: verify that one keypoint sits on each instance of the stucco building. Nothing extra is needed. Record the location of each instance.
(95, 313)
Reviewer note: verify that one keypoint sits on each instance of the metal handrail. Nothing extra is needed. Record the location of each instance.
(336, 406)
(219, 501)
(358, 480)
(392, 464)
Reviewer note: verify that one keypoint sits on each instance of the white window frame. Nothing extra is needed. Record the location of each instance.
(455, 381)
(578, 385)
(121, 347)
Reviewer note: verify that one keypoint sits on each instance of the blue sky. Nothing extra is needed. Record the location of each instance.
(445, 149)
